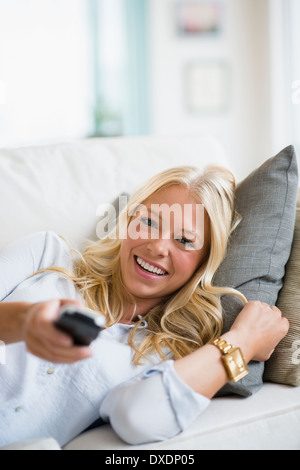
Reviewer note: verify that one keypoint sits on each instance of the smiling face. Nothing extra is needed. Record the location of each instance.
(164, 248)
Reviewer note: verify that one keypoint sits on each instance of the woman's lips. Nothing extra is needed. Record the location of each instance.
(147, 274)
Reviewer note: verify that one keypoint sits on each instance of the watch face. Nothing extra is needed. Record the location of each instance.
(235, 365)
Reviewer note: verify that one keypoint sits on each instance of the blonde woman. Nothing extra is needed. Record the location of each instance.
(155, 367)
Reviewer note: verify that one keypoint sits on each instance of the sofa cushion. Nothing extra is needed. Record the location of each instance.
(284, 365)
(269, 420)
(38, 444)
(260, 247)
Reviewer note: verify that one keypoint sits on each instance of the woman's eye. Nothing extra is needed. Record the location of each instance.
(186, 242)
(148, 222)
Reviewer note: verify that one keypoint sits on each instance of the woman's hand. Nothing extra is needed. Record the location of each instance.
(47, 342)
(257, 330)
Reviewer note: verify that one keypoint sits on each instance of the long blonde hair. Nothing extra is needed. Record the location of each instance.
(191, 317)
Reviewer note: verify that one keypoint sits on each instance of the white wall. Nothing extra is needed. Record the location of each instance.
(44, 65)
(245, 129)
(281, 91)
(294, 71)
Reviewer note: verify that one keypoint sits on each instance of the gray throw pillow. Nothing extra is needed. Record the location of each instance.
(260, 246)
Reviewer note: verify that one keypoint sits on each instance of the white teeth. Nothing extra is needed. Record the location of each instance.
(149, 267)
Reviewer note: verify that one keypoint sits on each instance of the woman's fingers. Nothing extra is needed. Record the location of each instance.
(53, 353)
(41, 321)
(261, 327)
(46, 341)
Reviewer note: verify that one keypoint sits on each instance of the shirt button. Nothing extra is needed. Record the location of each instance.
(18, 409)
(50, 371)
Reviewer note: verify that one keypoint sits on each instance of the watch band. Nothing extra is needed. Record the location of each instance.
(233, 360)
(223, 345)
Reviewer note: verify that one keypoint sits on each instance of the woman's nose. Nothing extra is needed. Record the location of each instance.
(159, 247)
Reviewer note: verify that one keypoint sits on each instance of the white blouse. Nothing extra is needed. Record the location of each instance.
(39, 399)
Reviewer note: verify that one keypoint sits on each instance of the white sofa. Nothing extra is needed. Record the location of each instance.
(59, 187)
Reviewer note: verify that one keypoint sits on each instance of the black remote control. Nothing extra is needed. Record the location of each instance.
(83, 325)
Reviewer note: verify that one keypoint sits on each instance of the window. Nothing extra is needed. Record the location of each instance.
(72, 69)
(120, 47)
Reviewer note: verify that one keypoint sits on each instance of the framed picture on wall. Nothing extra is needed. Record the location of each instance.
(207, 86)
(199, 17)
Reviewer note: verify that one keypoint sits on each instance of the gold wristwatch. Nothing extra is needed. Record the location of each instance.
(233, 360)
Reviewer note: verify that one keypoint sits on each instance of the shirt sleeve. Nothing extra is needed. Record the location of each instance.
(154, 406)
(23, 258)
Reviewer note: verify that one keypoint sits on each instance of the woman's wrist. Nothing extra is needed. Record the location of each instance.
(237, 339)
(12, 321)
(23, 312)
